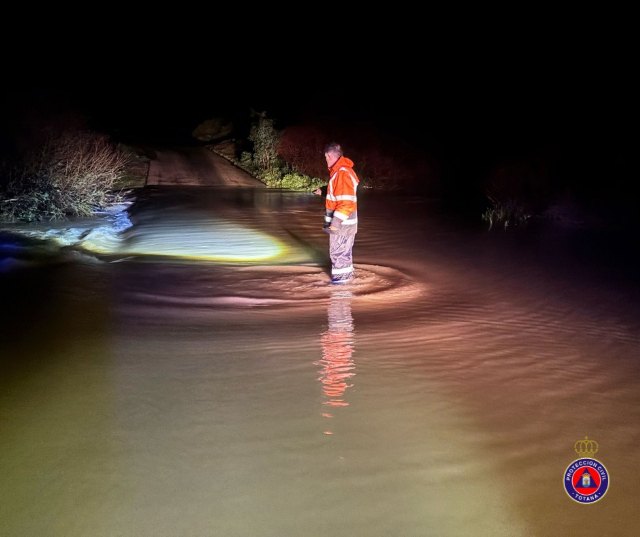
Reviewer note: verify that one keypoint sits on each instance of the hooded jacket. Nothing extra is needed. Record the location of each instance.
(341, 203)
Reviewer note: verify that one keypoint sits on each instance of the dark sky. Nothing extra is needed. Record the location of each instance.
(473, 92)
(507, 100)
(498, 72)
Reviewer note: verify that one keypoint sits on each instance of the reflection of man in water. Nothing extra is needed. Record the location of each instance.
(337, 365)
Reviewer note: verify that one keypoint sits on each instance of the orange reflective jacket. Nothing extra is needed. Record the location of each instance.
(342, 201)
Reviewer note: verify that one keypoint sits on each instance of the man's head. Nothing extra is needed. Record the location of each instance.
(332, 152)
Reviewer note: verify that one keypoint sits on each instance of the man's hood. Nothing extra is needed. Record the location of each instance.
(342, 162)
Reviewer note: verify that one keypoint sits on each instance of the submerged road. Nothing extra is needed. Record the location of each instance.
(196, 166)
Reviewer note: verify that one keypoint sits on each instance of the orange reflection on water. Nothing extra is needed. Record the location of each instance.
(337, 365)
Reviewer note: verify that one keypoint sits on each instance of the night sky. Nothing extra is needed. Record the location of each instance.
(509, 102)
(472, 98)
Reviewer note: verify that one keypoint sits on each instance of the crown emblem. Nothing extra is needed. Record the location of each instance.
(586, 448)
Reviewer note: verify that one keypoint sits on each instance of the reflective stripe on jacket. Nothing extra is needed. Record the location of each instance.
(342, 201)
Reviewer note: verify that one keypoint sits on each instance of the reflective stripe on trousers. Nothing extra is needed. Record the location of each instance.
(340, 248)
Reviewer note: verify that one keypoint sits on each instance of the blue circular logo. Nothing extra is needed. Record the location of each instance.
(586, 480)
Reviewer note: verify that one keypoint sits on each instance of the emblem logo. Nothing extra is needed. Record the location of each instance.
(586, 480)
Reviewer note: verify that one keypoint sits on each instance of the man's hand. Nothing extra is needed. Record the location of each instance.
(318, 192)
(329, 227)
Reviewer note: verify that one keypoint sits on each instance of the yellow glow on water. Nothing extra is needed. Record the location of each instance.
(218, 241)
(222, 243)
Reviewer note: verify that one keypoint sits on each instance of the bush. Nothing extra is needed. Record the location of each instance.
(71, 174)
(265, 164)
(265, 141)
(298, 181)
(273, 178)
(517, 188)
(506, 213)
(246, 162)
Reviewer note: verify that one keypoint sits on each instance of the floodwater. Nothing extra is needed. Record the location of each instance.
(192, 373)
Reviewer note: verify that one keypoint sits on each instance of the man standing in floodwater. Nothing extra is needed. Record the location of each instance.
(341, 212)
